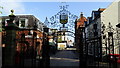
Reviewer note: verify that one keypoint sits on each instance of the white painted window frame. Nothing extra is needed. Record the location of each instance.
(26, 22)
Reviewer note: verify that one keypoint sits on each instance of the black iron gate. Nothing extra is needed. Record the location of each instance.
(91, 50)
(20, 47)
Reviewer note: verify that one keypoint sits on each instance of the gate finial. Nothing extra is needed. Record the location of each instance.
(81, 15)
(12, 11)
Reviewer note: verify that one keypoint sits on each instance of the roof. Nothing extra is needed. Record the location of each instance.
(101, 9)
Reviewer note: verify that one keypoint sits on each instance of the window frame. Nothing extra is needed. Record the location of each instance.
(26, 22)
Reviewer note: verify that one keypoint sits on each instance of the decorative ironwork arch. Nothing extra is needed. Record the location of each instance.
(55, 20)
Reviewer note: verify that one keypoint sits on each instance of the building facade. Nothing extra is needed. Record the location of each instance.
(93, 33)
(24, 21)
(29, 33)
(110, 18)
(102, 24)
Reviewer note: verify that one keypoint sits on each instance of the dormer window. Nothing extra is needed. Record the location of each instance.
(23, 23)
(6, 23)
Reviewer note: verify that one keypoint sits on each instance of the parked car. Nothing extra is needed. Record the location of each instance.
(112, 58)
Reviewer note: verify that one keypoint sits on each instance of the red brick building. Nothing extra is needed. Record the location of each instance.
(29, 34)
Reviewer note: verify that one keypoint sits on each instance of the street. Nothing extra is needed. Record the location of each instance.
(65, 58)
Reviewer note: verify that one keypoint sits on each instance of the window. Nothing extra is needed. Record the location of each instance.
(23, 22)
(6, 23)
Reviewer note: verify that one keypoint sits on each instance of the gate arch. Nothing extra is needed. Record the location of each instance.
(63, 21)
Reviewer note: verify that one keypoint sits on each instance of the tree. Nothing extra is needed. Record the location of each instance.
(0, 20)
(1, 11)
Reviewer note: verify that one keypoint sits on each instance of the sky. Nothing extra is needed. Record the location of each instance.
(41, 10)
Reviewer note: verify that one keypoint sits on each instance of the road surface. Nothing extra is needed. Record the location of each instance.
(65, 58)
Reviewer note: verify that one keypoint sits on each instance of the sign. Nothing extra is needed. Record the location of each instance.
(63, 19)
(62, 45)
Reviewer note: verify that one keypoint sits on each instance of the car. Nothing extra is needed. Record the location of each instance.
(112, 58)
(117, 57)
